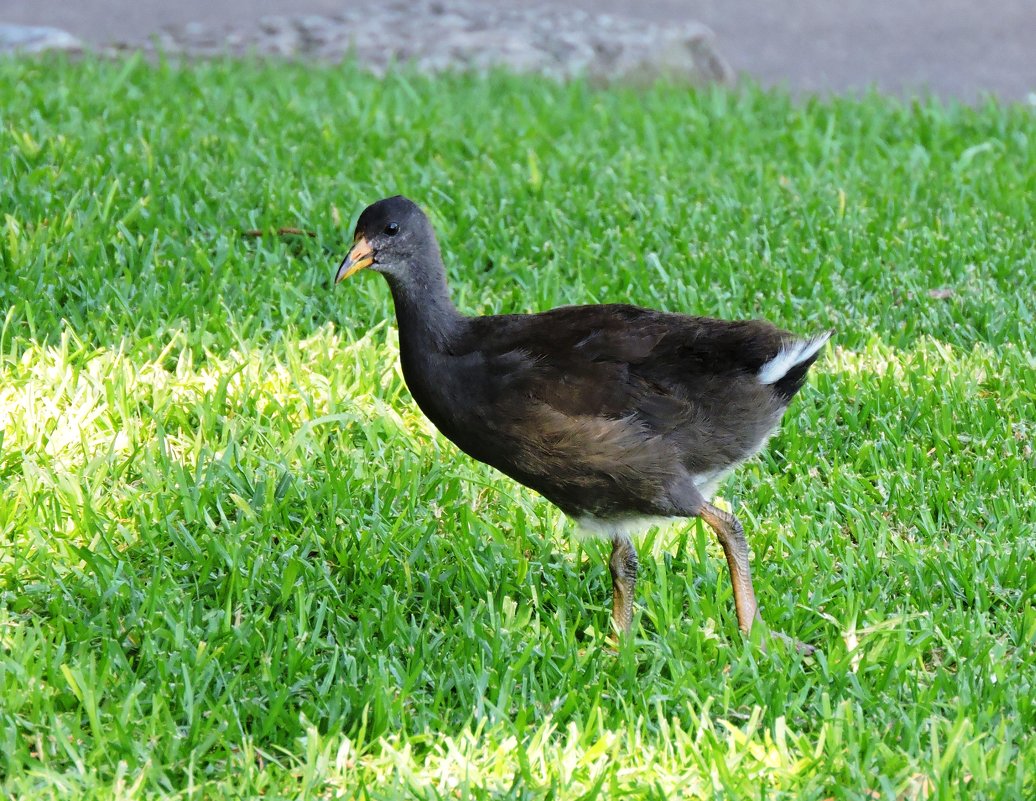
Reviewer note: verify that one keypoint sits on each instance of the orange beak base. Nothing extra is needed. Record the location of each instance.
(360, 257)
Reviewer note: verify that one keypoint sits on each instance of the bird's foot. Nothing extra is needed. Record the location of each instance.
(803, 648)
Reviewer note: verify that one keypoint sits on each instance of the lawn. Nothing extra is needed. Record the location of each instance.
(235, 560)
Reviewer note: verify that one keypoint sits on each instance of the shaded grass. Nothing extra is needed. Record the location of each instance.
(236, 559)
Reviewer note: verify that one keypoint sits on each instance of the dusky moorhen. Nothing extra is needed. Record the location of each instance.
(612, 412)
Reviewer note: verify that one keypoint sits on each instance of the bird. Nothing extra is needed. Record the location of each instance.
(618, 415)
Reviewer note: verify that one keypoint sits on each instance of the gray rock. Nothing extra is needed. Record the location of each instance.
(33, 39)
(438, 35)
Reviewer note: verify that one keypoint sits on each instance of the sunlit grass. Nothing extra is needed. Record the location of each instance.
(236, 560)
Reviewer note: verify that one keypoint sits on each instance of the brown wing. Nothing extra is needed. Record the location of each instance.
(619, 361)
(613, 401)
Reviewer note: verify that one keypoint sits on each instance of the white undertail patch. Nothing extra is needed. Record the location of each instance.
(792, 354)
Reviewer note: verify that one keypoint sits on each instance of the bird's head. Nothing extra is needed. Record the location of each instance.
(392, 237)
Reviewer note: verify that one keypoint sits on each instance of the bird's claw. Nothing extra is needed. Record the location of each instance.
(801, 647)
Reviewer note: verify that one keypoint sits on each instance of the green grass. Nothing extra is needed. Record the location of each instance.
(235, 560)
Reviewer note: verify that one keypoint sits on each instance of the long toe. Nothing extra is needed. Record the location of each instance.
(803, 648)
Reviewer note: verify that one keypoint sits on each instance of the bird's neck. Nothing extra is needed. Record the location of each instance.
(426, 316)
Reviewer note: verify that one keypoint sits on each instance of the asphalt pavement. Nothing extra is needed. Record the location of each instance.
(954, 48)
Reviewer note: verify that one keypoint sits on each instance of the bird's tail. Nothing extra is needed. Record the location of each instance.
(786, 372)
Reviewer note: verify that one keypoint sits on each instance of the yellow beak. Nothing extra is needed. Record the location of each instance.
(360, 257)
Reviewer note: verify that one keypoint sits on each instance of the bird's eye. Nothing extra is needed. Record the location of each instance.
(392, 229)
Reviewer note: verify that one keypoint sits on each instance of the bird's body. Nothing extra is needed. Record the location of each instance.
(604, 410)
(611, 412)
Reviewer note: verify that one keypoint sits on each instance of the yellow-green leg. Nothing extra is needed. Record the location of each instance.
(623, 565)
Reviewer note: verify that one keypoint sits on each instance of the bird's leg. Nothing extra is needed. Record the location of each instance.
(732, 537)
(623, 564)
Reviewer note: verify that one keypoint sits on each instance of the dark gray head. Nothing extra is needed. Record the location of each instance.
(394, 238)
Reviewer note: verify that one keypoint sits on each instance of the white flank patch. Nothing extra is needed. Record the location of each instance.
(792, 354)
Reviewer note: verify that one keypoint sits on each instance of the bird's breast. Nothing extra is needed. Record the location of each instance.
(446, 393)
